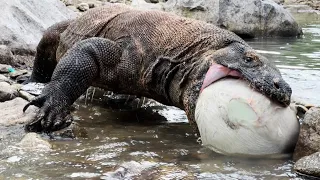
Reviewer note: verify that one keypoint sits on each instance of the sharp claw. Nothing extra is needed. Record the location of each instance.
(48, 123)
(63, 120)
(66, 123)
(57, 124)
(34, 126)
(69, 120)
(27, 106)
(50, 116)
(38, 101)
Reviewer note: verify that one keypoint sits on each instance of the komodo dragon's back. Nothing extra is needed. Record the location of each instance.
(90, 24)
(155, 32)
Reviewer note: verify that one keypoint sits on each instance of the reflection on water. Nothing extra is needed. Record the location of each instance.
(140, 144)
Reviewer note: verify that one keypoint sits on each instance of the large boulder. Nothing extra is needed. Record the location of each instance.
(309, 137)
(251, 18)
(22, 23)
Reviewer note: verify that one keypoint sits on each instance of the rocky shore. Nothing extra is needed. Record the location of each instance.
(18, 47)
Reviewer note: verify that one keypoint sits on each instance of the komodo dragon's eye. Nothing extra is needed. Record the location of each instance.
(248, 59)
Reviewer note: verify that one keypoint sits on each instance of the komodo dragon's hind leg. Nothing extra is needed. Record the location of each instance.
(45, 60)
(74, 73)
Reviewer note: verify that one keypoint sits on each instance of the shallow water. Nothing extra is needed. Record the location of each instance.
(138, 143)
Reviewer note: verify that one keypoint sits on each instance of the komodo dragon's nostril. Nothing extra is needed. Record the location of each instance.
(276, 83)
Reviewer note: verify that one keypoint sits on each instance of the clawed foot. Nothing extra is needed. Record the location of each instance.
(54, 114)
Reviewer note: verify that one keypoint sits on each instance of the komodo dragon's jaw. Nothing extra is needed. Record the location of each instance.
(241, 61)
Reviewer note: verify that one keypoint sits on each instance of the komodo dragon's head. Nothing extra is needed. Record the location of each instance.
(239, 60)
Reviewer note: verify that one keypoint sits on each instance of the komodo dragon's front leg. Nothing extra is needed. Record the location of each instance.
(74, 73)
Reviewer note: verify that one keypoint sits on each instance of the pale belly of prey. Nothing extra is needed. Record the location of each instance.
(234, 119)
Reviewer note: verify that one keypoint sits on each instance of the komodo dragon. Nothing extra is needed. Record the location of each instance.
(147, 53)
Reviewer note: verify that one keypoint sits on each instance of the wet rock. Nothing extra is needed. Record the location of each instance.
(10, 135)
(11, 112)
(33, 88)
(6, 56)
(4, 68)
(309, 137)
(34, 142)
(309, 165)
(251, 18)
(129, 170)
(73, 131)
(83, 7)
(17, 73)
(7, 92)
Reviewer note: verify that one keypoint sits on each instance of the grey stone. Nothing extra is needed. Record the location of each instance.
(252, 18)
(16, 86)
(6, 56)
(309, 165)
(309, 137)
(279, 1)
(26, 95)
(11, 112)
(117, 1)
(297, 8)
(34, 142)
(4, 78)
(143, 5)
(83, 7)
(67, 2)
(4, 68)
(7, 92)
(314, 4)
(22, 22)
(24, 77)
(73, 8)
(92, 4)
(17, 73)
(152, 1)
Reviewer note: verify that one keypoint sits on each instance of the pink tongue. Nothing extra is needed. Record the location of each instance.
(216, 72)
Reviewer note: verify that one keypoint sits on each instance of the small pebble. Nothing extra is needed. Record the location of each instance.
(83, 7)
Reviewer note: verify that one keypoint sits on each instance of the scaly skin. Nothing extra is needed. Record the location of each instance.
(147, 53)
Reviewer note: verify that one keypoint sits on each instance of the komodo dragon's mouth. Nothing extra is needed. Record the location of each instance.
(216, 72)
